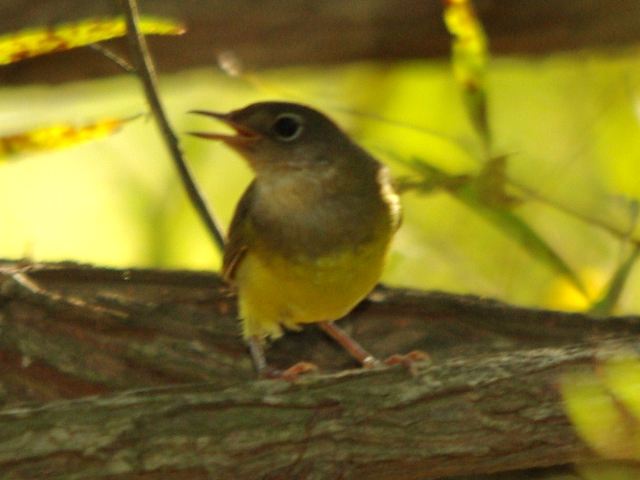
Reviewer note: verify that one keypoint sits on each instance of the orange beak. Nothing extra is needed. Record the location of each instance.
(243, 134)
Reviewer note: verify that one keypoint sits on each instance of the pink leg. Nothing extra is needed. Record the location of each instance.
(349, 344)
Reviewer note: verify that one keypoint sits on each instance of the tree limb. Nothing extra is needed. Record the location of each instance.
(460, 416)
(189, 406)
(273, 33)
(89, 330)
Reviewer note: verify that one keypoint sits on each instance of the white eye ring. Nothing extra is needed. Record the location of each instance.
(287, 127)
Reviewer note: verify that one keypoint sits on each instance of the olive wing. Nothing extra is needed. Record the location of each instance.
(237, 243)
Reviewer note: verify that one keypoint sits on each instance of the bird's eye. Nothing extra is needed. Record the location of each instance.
(287, 127)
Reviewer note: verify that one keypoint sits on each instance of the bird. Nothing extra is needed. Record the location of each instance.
(310, 234)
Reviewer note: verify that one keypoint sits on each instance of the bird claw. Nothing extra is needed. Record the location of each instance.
(290, 374)
(407, 359)
(371, 362)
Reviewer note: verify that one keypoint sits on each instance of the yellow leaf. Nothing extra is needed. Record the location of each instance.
(470, 42)
(54, 137)
(32, 42)
(470, 54)
(604, 406)
(562, 294)
(622, 378)
(609, 471)
(595, 415)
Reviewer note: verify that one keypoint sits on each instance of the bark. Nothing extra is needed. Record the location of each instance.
(272, 33)
(174, 396)
(461, 416)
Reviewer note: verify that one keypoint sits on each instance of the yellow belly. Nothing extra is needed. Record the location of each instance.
(275, 292)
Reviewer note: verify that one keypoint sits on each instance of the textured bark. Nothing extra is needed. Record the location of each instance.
(466, 416)
(120, 329)
(176, 396)
(269, 33)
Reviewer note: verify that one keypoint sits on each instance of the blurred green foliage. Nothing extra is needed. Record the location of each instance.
(604, 406)
(568, 127)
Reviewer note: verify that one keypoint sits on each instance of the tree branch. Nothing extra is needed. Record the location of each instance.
(458, 417)
(487, 403)
(275, 33)
(91, 330)
(146, 72)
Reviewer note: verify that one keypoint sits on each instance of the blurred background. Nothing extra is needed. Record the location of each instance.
(565, 130)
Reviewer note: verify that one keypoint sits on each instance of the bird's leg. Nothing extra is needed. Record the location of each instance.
(265, 371)
(349, 344)
(257, 355)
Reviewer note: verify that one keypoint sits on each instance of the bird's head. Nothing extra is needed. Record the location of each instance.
(281, 137)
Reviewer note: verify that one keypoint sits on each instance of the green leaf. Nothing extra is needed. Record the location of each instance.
(521, 232)
(472, 191)
(596, 415)
(610, 470)
(603, 406)
(607, 303)
(491, 184)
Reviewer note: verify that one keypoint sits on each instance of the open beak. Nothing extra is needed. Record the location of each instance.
(243, 134)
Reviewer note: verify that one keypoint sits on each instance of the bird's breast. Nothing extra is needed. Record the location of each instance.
(276, 289)
(315, 219)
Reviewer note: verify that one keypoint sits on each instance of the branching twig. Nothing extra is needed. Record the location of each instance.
(113, 56)
(146, 73)
(18, 283)
(620, 233)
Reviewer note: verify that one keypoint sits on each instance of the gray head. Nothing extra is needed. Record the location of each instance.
(281, 136)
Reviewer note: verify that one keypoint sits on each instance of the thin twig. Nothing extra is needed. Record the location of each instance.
(146, 73)
(620, 233)
(623, 234)
(113, 56)
(20, 284)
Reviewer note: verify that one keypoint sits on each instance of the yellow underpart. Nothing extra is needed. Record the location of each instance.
(275, 291)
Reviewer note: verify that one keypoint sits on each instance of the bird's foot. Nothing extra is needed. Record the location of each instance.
(408, 360)
(371, 362)
(290, 374)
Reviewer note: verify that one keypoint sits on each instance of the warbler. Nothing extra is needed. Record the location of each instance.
(310, 234)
